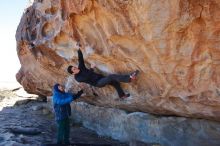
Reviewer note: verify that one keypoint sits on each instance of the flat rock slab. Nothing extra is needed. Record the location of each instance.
(77, 144)
(25, 131)
(86, 144)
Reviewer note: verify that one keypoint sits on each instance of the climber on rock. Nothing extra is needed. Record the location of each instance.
(83, 74)
(62, 109)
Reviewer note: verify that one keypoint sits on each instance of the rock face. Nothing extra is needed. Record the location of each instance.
(137, 126)
(175, 45)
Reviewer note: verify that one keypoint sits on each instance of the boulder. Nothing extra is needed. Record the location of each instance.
(174, 44)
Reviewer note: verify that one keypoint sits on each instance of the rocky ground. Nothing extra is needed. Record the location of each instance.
(26, 120)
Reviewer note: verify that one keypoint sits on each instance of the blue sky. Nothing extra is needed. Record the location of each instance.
(10, 14)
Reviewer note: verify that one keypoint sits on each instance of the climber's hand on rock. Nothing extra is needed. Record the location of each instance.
(93, 65)
(78, 44)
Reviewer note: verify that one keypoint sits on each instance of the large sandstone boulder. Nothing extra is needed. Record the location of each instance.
(175, 45)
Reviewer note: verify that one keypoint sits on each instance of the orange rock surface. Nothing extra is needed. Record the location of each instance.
(175, 44)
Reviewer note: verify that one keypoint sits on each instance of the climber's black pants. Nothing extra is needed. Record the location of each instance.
(114, 80)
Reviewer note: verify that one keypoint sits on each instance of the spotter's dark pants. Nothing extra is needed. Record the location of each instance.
(63, 127)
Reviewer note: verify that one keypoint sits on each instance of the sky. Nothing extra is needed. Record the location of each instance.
(10, 15)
